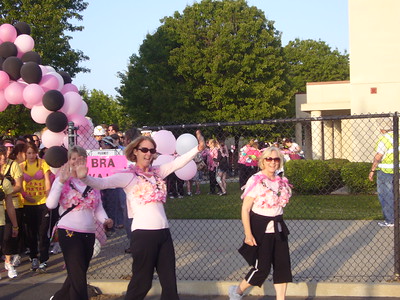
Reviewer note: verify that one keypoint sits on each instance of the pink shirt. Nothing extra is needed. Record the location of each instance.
(145, 205)
(80, 219)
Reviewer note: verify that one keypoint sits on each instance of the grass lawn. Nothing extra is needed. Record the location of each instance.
(312, 207)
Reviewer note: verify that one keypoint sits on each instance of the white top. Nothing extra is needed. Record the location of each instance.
(146, 211)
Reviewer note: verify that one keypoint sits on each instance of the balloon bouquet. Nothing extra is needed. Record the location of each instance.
(50, 95)
(167, 145)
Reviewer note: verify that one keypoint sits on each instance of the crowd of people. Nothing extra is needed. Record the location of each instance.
(47, 213)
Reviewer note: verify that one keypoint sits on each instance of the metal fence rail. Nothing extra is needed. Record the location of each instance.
(322, 249)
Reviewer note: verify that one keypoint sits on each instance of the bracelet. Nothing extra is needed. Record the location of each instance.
(16, 228)
(373, 171)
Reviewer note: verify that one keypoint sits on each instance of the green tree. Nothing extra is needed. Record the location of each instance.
(314, 61)
(150, 90)
(49, 22)
(231, 57)
(104, 109)
(218, 61)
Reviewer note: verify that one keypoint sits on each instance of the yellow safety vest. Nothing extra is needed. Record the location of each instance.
(386, 164)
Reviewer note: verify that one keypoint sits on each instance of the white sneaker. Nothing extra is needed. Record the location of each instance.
(35, 264)
(16, 260)
(385, 224)
(12, 273)
(233, 295)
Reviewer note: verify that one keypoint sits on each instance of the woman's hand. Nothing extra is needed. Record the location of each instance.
(65, 173)
(81, 169)
(108, 223)
(29, 199)
(250, 240)
(200, 139)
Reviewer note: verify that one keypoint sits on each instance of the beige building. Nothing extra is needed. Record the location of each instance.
(374, 86)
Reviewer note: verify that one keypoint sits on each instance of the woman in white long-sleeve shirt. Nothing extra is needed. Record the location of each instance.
(151, 242)
(80, 207)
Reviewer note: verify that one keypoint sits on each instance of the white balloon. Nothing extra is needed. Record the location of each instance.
(185, 142)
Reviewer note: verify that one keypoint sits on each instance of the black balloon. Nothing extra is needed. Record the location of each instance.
(53, 100)
(56, 156)
(8, 49)
(65, 76)
(32, 56)
(56, 121)
(31, 72)
(22, 28)
(1, 63)
(12, 66)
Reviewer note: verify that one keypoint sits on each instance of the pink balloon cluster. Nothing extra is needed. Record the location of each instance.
(168, 145)
(15, 90)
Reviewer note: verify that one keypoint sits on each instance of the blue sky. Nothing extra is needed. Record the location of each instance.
(114, 30)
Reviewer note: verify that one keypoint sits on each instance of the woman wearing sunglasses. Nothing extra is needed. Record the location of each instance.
(265, 243)
(146, 193)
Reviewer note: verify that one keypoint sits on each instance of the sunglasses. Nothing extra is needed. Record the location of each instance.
(275, 159)
(145, 150)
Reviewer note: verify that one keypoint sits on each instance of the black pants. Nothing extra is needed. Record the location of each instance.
(272, 252)
(152, 249)
(37, 219)
(245, 172)
(213, 181)
(12, 245)
(77, 249)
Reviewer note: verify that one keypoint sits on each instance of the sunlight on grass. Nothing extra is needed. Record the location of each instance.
(304, 207)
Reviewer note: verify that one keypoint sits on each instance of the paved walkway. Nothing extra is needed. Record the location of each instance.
(323, 251)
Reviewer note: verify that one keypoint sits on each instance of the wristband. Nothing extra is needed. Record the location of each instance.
(373, 171)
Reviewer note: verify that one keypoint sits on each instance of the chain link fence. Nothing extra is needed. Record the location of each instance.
(333, 214)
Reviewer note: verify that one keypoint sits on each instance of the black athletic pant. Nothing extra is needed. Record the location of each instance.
(152, 249)
(77, 249)
(37, 219)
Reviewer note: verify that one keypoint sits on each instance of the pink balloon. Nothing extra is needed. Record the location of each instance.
(4, 80)
(49, 82)
(8, 33)
(39, 114)
(83, 109)
(3, 101)
(50, 138)
(72, 103)
(78, 120)
(162, 159)
(165, 141)
(14, 92)
(69, 87)
(24, 43)
(33, 94)
(187, 172)
(59, 79)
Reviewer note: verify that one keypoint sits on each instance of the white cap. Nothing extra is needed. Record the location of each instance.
(99, 130)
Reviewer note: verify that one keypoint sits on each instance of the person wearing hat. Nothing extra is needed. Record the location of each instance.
(382, 165)
(9, 147)
(99, 133)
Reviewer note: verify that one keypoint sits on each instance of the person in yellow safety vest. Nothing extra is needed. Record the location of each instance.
(383, 166)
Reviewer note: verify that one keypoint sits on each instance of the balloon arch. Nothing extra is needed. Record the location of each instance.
(50, 95)
(55, 101)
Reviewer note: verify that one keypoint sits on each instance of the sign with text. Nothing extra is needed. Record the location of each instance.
(103, 163)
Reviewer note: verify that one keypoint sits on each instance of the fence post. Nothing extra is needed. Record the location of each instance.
(71, 134)
(396, 195)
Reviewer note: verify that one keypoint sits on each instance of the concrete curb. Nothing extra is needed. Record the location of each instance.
(302, 289)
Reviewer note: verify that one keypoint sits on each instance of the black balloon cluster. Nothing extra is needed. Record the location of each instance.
(50, 95)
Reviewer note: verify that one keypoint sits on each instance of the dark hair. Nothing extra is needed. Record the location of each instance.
(114, 127)
(16, 150)
(131, 134)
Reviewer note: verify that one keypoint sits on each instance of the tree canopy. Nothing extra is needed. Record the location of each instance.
(217, 61)
(314, 61)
